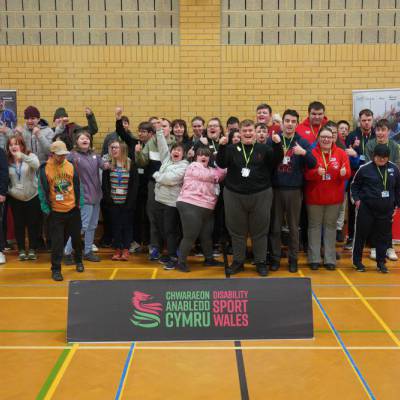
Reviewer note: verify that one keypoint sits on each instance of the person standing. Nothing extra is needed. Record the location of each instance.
(23, 195)
(248, 193)
(315, 120)
(3, 192)
(376, 193)
(61, 198)
(324, 192)
(287, 183)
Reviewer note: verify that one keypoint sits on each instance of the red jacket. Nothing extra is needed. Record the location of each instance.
(325, 192)
(305, 131)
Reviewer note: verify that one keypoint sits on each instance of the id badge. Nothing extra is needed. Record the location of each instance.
(286, 160)
(19, 186)
(326, 177)
(59, 197)
(362, 157)
(140, 171)
(385, 193)
(119, 191)
(245, 172)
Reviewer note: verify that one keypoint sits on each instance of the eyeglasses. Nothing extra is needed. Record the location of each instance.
(326, 137)
(114, 147)
(213, 126)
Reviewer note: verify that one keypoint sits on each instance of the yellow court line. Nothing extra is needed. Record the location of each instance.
(114, 273)
(370, 308)
(61, 372)
(338, 342)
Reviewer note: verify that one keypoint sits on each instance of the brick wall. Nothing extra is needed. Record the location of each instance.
(198, 77)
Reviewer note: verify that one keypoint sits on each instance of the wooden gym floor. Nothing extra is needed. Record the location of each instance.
(355, 353)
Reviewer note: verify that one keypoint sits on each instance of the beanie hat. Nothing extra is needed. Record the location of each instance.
(381, 150)
(60, 113)
(31, 112)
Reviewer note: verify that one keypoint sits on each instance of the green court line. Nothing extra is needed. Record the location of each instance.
(53, 373)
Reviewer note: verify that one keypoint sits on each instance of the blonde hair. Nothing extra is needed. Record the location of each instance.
(125, 160)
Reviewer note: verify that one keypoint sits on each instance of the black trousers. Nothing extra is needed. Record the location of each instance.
(351, 212)
(2, 231)
(376, 220)
(122, 228)
(26, 215)
(168, 219)
(107, 224)
(61, 227)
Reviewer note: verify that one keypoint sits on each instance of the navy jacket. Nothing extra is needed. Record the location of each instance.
(368, 186)
(362, 148)
(291, 175)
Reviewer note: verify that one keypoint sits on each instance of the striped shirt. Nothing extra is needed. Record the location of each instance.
(119, 185)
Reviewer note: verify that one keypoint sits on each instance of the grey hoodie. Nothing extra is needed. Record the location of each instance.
(169, 179)
(41, 145)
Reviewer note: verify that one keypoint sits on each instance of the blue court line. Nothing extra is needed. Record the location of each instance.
(124, 372)
(350, 358)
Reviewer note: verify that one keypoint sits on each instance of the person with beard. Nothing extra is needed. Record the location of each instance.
(248, 193)
(287, 183)
(375, 191)
(65, 130)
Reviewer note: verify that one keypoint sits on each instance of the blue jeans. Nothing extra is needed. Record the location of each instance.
(90, 218)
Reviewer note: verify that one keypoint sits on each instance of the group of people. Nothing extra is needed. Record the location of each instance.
(175, 193)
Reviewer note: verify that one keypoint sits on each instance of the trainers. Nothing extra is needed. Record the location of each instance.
(216, 252)
(117, 255)
(183, 267)
(135, 248)
(330, 267)
(349, 244)
(32, 255)
(391, 254)
(125, 255)
(79, 267)
(314, 266)
(154, 254)
(164, 259)
(274, 266)
(171, 264)
(22, 255)
(2, 258)
(372, 254)
(68, 260)
(293, 266)
(95, 249)
(234, 268)
(57, 276)
(382, 268)
(91, 257)
(211, 262)
(262, 269)
(359, 267)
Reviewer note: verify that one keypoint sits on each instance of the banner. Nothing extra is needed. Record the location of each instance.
(384, 103)
(8, 108)
(189, 309)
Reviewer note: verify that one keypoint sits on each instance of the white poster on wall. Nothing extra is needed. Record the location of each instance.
(385, 103)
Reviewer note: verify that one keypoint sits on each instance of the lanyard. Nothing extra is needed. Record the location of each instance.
(312, 130)
(213, 145)
(247, 159)
(286, 148)
(384, 178)
(18, 171)
(363, 142)
(329, 159)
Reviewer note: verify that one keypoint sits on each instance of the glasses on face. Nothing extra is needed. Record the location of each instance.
(213, 126)
(326, 137)
(114, 147)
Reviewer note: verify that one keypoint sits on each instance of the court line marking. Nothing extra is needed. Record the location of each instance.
(53, 381)
(129, 358)
(338, 338)
(70, 268)
(395, 339)
(117, 269)
(163, 348)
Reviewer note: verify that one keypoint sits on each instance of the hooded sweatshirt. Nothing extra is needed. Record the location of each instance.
(39, 145)
(169, 178)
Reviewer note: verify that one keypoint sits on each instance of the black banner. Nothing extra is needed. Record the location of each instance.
(189, 309)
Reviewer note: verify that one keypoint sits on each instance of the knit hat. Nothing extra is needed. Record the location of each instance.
(31, 112)
(381, 150)
(59, 148)
(60, 113)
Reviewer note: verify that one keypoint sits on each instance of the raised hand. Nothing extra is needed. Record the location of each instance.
(118, 113)
(321, 171)
(298, 150)
(204, 140)
(223, 141)
(351, 152)
(356, 143)
(138, 148)
(88, 111)
(36, 131)
(275, 138)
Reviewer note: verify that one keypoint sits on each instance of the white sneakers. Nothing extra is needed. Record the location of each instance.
(390, 254)
(2, 258)
(94, 248)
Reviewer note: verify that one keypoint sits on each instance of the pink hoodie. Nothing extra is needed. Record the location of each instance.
(199, 185)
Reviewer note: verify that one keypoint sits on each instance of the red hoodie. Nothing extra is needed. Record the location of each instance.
(308, 133)
(326, 192)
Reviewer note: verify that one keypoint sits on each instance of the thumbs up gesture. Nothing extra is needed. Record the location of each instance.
(298, 150)
(275, 138)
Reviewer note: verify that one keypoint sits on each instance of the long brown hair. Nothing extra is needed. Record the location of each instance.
(19, 140)
(126, 162)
